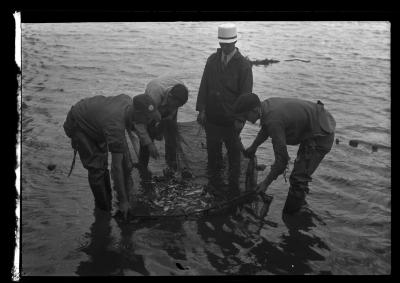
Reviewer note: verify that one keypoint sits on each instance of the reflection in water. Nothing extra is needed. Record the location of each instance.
(104, 257)
(174, 246)
(298, 245)
(233, 243)
(244, 251)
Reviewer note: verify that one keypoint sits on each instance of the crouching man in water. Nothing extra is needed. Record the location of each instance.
(290, 121)
(168, 94)
(97, 125)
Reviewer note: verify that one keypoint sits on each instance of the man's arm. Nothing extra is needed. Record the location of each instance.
(201, 96)
(141, 131)
(281, 155)
(246, 79)
(145, 140)
(119, 182)
(171, 115)
(261, 137)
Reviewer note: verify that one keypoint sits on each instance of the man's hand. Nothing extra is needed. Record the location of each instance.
(74, 143)
(124, 208)
(238, 125)
(201, 118)
(153, 151)
(250, 152)
(262, 187)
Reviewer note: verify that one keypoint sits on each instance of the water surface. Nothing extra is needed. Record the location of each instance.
(349, 230)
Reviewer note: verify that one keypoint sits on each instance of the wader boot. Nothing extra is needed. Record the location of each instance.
(215, 136)
(169, 130)
(233, 148)
(309, 156)
(100, 189)
(295, 201)
(144, 157)
(94, 158)
(214, 158)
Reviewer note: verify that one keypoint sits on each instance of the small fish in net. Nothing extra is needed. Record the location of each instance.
(175, 194)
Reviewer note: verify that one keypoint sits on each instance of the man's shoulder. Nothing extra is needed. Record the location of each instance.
(120, 98)
(212, 57)
(166, 80)
(102, 98)
(244, 60)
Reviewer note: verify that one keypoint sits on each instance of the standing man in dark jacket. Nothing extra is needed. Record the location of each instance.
(290, 121)
(226, 76)
(97, 125)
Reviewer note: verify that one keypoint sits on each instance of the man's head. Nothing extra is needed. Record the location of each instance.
(227, 37)
(144, 110)
(177, 96)
(248, 106)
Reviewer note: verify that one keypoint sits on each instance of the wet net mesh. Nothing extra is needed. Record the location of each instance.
(179, 196)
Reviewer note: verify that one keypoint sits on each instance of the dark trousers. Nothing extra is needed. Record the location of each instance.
(216, 136)
(167, 129)
(94, 158)
(309, 156)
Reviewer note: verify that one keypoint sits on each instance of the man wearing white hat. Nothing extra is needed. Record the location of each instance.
(226, 76)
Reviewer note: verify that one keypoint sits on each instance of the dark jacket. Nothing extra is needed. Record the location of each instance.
(104, 119)
(219, 88)
(289, 121)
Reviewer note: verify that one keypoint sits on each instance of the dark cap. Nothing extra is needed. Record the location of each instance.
(144, 109)
(180, 93)
(246, 102)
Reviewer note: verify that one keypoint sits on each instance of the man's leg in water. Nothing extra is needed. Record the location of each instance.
(94, 158)
(309, 156)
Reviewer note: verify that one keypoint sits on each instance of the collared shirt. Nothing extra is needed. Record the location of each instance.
(228, 56)
(160, 87)
(220, 87)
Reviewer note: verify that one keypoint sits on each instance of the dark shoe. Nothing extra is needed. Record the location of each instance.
(169, 172)
(145, 173)
(210, 188)
(295, 201)
(102, 206)
(119, 216)
(234, 191)
(186, 174)
(218, 191)
(101, 200)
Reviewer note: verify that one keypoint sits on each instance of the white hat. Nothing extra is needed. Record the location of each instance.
(227, 33)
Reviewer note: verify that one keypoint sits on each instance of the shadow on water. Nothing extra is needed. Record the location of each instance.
(234, 243)
(247, 251)
(103, 256)
(298, 245)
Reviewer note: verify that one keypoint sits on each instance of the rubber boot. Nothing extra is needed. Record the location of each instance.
(144, 156)
(98, 186)
(107, 182)
(234, 190)
(295, 201)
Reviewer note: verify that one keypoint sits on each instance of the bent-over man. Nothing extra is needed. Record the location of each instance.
(97, 125)
(168, 93)
(290, 121)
